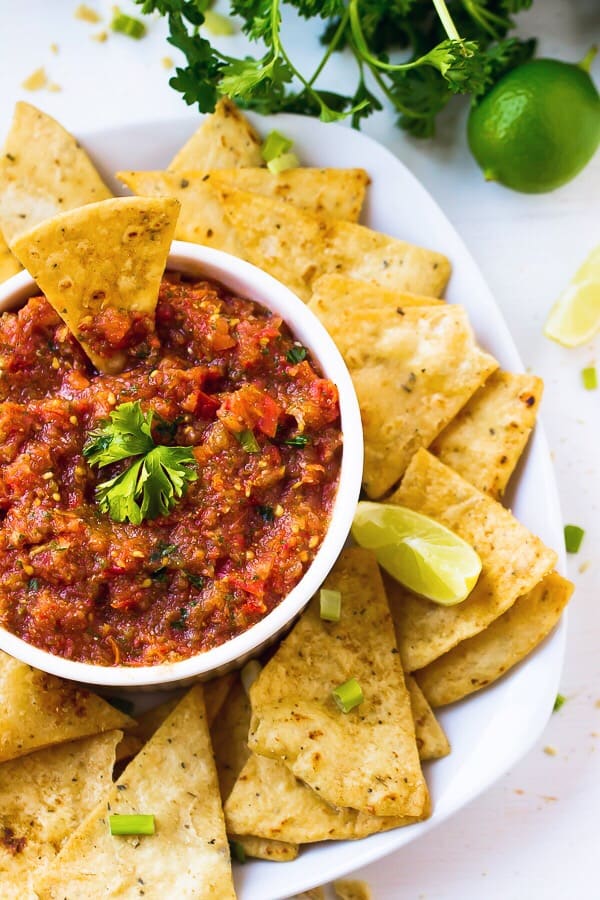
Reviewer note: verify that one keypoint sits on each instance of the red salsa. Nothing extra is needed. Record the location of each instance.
(221, 375)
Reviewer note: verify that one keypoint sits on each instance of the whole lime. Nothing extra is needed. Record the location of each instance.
(538, 126)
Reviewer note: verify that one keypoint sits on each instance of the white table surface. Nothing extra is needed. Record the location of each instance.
(535, 833)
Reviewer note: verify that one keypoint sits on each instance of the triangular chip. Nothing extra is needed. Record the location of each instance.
(431, 740)
(225, 139)
(43, 799)
(268, 800)
(9, 264)
(413, 368)
(366, 759)
(352, 889)
(333, 293)
(484, 441)
(44, 171)
(174, 779)
(486, 656)
(229, 735)
(100, 267)
(297, 248)
(513, 562)
(40, 710)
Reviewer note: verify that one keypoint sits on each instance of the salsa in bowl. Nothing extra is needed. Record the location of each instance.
(247, 477)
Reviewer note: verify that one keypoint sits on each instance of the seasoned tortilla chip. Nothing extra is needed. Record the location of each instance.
(513, 561)
(9, 264)
(104, 255)
(215, 694)
(484, 658)
(366, 759)
(317, 893)
(224, 140)
(39, 710)
(268, 800)
(44, 171)
(174, 779)
(484, 441)
(431, 740)
(413, 368)
(353, 889)
(229, 735)
(43, 798)
(297, 248)
(338, 193)
(331, 294)
(127, 747)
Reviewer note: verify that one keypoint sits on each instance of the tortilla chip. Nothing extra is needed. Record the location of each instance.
(317, 893)
(229, 735)
(338, 193)
(513, 561)
(484, 658)
(431, 740)
(215, 694)
(268, 800)
(44, 171)
(413, 368)
(40, 710)
(367, 759)
(127, 747)
(42, 801)
(224, 140)
(109, 254)
(174, 779)
(297, 248)
(484, 441)
(333, 293)
(352, 890)
(9, 265)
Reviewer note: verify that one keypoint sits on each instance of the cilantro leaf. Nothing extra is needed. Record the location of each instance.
(126, 433)
(152, 485)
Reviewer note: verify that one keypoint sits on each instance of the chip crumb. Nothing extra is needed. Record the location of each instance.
(519, 791)
(584, 566)
(353, 889)
(36, 81)
(86, 14)
(101, 37)
(597, 704)
(548, 798)
(167, 62)
(54, 48)
(549, 750)
(54, 88)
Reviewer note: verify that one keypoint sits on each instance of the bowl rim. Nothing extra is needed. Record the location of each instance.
(259, 286)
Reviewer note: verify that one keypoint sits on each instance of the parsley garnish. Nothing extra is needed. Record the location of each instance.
(300, 440)
(152, 484)
(454, 47)
(559, 702)
(196, 581)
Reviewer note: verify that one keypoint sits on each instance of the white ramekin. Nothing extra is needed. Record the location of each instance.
(250, 282)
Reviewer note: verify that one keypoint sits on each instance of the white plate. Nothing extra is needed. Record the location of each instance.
(491, 730)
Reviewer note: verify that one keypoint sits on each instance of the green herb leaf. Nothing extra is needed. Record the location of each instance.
(559, 702)
(300, 440)
(296, 354)
(126, 433)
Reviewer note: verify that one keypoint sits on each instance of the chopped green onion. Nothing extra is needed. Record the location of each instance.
(348, 695)
(589, 377)
(248, 441)
(124, 24)
(275, 144)
(131, 824)
(237, 851)
(249, 674)
(573, 538)
(559, 702)
(330, 605)
(283, 162)
(296, 354)
(301, 440)
(217, 24)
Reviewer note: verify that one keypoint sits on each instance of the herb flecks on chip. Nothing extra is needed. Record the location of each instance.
(150, 486)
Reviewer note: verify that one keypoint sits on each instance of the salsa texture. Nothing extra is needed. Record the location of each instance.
(222, 375)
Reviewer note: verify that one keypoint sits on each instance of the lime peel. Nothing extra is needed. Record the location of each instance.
(417, 551)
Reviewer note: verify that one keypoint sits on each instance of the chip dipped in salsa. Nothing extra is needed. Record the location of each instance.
(223, 378)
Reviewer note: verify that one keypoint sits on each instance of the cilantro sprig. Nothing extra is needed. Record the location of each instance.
(157, 477)
(454, 46)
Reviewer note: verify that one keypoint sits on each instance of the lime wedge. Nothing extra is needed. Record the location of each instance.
(575, 317)
(417, 551)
